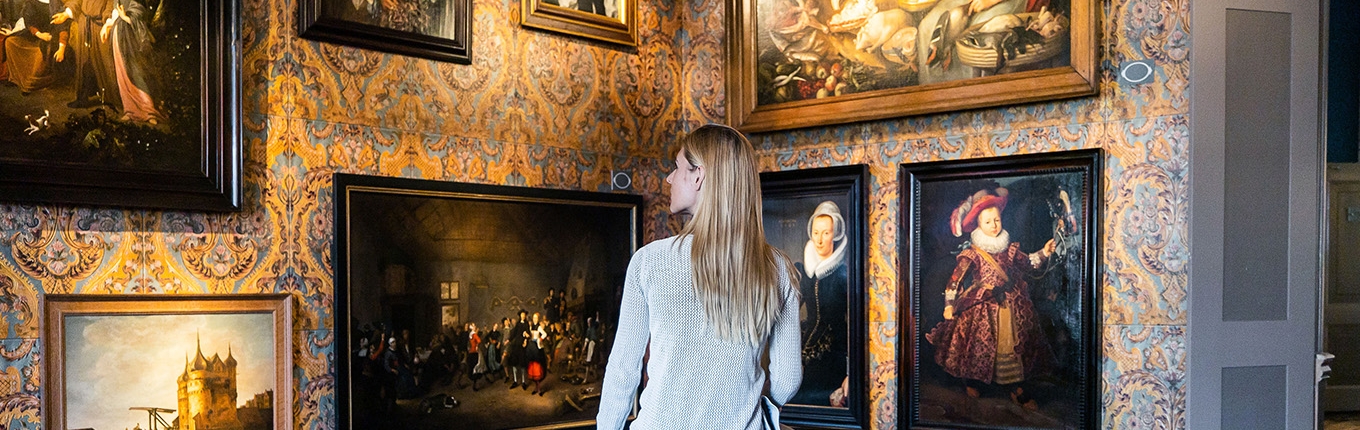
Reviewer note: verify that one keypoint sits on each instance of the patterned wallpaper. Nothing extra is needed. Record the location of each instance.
(1144, 132)
(540, 110)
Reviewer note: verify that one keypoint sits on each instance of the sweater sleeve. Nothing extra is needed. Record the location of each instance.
(786, 360)
(624, 370)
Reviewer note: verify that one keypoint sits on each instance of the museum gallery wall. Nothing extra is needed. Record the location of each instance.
(543, 110)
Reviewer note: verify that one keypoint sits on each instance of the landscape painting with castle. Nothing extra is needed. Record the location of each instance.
(186, 372)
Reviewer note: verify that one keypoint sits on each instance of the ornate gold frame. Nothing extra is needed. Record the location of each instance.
(545, 16)
(1078, 79)
(59, 306)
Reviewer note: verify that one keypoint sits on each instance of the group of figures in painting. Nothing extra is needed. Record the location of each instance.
(90, 80)
(550, 361)
(823, 48)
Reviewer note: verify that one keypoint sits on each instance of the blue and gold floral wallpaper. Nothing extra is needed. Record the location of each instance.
(541, 110)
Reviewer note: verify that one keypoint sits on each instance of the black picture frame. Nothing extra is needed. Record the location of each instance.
(1056, 337)
(789, 201)
(210, 183)
(505, 239)
(317, 21)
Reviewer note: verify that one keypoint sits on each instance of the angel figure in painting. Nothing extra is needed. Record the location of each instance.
(824, 313)
(991, 333)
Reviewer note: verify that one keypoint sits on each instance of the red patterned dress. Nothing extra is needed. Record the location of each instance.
(994, 336)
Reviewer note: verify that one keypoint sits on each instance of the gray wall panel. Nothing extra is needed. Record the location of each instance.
(1254, 398)
(1256, 157)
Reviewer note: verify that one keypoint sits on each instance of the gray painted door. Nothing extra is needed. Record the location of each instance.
(1256, 183)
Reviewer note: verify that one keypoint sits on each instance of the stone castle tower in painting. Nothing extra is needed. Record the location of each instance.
(207, 393)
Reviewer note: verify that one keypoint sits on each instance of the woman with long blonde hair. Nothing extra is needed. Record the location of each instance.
(708, 305)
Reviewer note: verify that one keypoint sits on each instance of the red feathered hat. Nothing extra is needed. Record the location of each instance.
(970, 221)
(964, 218)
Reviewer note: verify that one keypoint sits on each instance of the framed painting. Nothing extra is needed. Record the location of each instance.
(612, 21)
(516, 261)
(142, 112)
(999, 292)
(804, 63)
(816, 216)
(435, 29)
(150, 361)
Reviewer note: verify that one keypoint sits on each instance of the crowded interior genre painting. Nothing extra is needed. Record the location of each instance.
(476, 306)
(1001, 276)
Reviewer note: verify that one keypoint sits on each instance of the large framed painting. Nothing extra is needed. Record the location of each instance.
(159, 362)
(817, 218)
(613, 21)
(120, 103)
(469, 306)
(803, 63)
(435, 29)
(999, 295)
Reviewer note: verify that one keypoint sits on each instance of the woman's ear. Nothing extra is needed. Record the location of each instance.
(699, 177)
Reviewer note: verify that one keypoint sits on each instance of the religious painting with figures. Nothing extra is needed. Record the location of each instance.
(132, 103)
(108, 83)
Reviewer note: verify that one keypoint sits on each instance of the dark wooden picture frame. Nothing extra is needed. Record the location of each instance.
(549, 15)
(133, 333)
(319, 20)
(836, 71)
(93, 158)
(959, 280)
(400, 243)
(836, 360)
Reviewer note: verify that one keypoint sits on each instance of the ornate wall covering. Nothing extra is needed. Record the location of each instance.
(536, 109)
(1144, 131)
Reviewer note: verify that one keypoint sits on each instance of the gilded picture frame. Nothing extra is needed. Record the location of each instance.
(1003, 242)
(805, 63)
(115, 361)
(610, 21)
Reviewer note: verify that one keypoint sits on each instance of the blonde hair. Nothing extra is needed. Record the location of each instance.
(735, 271)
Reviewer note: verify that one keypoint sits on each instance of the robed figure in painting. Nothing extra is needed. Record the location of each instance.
(96, 81)
(991, 333)
(130, 36)
(825, 306)
(28, 57)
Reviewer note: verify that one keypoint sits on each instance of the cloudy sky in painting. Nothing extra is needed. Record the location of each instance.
(117, 362)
